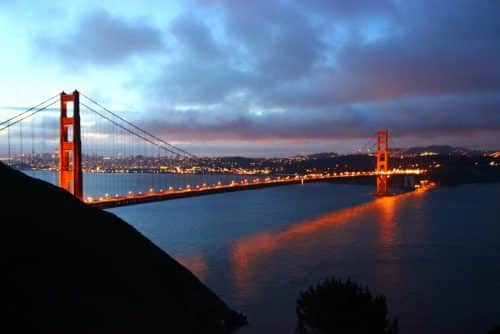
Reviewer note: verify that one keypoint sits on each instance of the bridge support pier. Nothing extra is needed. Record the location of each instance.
(409, 181)
(70, 146)
(382, 166)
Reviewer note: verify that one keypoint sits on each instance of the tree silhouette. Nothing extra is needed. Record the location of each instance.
(334, 306)
(494, 330)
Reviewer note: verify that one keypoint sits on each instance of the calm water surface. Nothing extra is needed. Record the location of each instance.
(434, 254)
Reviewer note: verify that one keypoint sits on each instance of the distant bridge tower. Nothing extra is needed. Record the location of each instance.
(382, 162)
(70, 146)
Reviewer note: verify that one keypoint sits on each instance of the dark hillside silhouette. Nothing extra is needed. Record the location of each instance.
(70, 268)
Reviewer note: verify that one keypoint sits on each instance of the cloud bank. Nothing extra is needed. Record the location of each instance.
(101, 39)
(309, 70)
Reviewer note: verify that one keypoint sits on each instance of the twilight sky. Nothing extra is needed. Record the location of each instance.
(266, 77)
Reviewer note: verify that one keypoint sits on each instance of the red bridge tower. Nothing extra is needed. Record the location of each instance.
(70, 146)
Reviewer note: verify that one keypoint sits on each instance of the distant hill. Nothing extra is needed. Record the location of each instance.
(237, 159)
(71, 268)
(323, 155)
(440, 149)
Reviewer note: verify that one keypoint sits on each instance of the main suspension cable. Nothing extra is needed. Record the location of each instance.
(28, 110)
(192, 156)
(25, 117)
(128, 130)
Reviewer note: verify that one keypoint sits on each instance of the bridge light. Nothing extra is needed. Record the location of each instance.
(151, 190)
(90, 199)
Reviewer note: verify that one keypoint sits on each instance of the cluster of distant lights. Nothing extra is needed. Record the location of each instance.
(427, 154)
(245, 182)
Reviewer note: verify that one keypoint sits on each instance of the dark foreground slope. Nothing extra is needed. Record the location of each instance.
(69, 268)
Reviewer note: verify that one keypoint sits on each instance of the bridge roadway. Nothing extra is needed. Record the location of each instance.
(154, 196)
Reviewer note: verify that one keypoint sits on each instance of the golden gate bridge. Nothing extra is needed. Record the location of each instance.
(60, 144)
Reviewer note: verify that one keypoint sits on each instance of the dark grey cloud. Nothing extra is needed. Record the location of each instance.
(103, 39)
(252, 55)
(351, 10)
(201, 70)
(430, 49)
(443, 50)
(333, 69)
(429, 117)
(194, 38)
(278, 39)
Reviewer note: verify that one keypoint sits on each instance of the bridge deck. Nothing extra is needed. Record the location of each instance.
(117, 201)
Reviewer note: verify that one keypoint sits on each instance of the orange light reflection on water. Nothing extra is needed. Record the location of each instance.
(386, 209)
(246, 252)
(196, 264)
